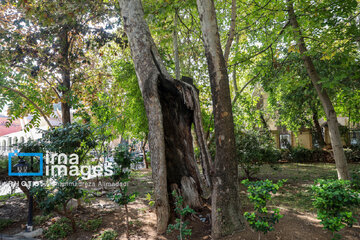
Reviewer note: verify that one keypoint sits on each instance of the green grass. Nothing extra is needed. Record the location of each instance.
(301, 172)
(140, 174)
(91, 225)
(7, 196)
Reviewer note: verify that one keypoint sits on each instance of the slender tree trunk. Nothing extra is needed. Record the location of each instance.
(127, 221)
(66, 84)
(226, 217)
(335, 137)
(171, 107)
(318, 132)
(144, 152)
(231, 31)
(176, 48)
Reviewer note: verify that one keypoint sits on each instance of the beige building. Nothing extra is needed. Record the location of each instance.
(305, 139)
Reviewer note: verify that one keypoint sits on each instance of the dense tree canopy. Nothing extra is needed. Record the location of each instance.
(185, 76)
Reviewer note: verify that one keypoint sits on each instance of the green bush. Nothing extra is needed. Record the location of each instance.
(40, 219)
(56, 197)
(259, 193)
(335, 201)
(108, 235)
(3, 163)
(353, 153)
(300, 154)
(254, 149)
(355, 180)
(304, 155)
(5, 223)
(91, 225)
(59, 230)
(7, 196)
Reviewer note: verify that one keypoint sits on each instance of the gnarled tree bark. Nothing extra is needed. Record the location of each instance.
(171, 108)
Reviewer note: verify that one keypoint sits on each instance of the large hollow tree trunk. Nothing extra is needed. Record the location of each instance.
(171, 108)
(226, 217)
(335, 137)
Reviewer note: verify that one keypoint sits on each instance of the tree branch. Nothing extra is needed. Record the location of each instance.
(30, 101)
(231, 31)
(243, 88)
(269, 46)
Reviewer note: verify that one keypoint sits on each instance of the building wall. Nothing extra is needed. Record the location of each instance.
(304, 139)
(276, 136)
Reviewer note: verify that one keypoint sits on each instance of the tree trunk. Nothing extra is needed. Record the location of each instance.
(66, 84)
(144, 152)
(171, 108)
(176, 48)
(231, 31)
(318, 132)
(335, 137)
(225, 215)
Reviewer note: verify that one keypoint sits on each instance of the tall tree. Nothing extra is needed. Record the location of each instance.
(226, 217)
(171, 108)
(48, 41)
(336, 143)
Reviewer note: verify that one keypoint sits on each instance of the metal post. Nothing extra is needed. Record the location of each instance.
(29, 226)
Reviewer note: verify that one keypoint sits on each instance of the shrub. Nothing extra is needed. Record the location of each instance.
(300, 154)
(108, 235)
(353, 153)
(259, 193)
(319, 155)
(5, 223)
(335, 201)
(303, 155)
(3, 163)
(59, 230)
(7, 196)
(55, 198)
(91, 225)
(40, 219)
(180, 224)
(355, 180)
(254, 149)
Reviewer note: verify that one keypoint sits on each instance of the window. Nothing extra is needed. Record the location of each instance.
(285, 141)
